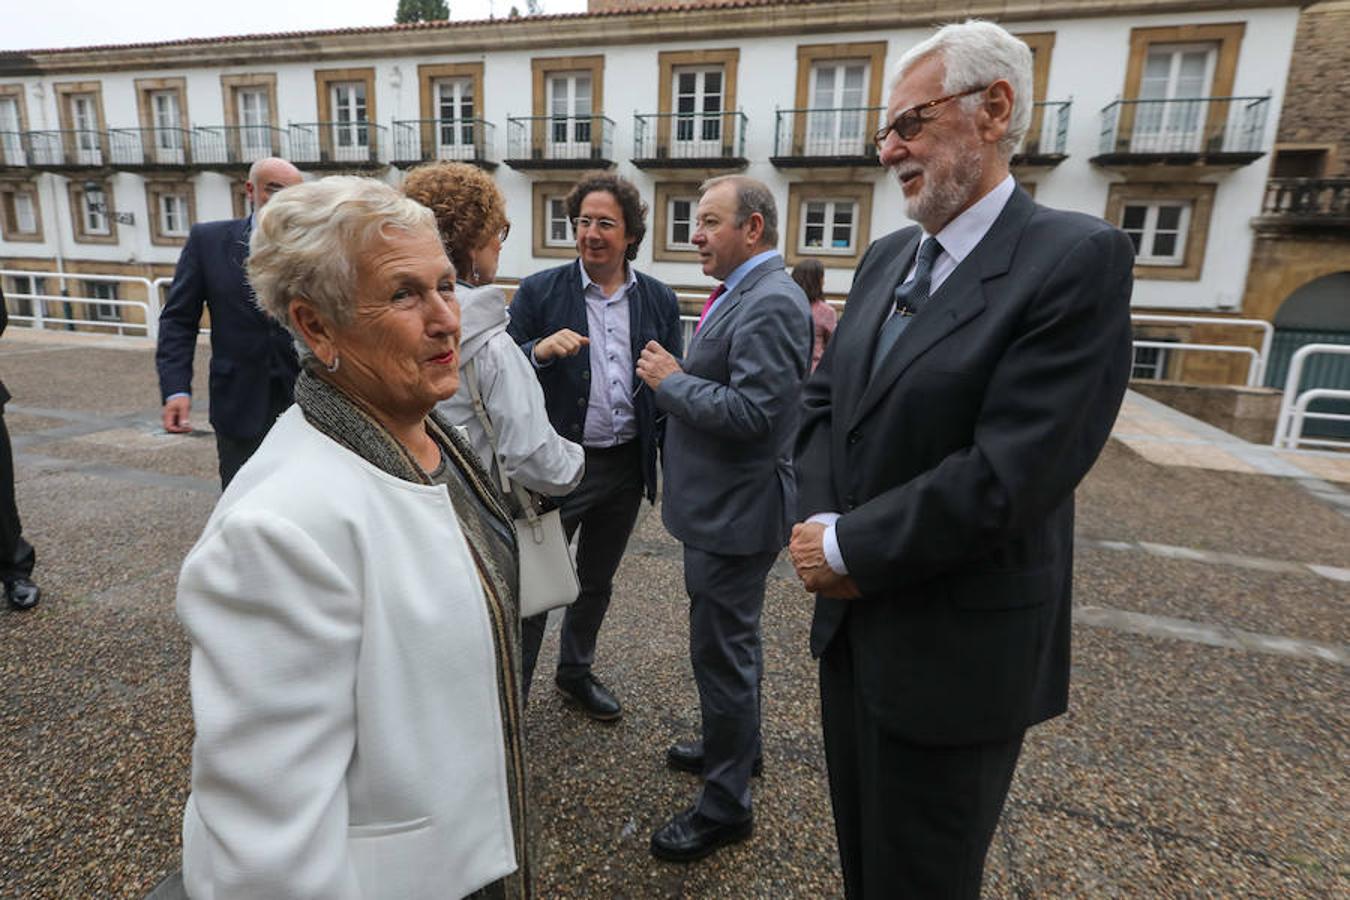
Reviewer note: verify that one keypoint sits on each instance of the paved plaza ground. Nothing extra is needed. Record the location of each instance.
(1205, 752)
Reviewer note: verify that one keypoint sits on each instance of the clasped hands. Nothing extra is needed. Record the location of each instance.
(807, 550)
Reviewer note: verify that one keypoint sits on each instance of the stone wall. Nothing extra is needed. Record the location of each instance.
(1248, 413)
(1316, 102)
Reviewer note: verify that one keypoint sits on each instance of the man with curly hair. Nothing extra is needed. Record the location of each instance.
(583, 326)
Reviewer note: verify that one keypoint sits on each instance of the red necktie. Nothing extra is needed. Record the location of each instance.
(721, 289)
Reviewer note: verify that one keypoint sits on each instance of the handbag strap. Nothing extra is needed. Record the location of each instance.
(469, 375)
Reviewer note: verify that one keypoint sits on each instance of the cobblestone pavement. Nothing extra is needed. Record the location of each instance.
(1205, 752)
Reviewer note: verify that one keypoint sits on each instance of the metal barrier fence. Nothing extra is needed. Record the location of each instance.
(1256, 370)
(47, 309)
(1294, 405)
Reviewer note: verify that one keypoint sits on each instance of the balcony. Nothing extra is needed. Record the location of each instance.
(336, 145)
(825, 137)
(65, 151)
(1047, 139)
(445, 140)
(229, 147)
(689, 140)
(150, 148)
(1221, 132)
(559, 142)
(1305, 205)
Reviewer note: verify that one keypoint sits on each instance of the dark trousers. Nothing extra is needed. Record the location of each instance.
(726, 598)
(912, 820)
(16, 554)
(233, 451)
(600, 513)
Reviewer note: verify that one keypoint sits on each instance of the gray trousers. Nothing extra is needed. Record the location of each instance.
(726, 597)
(601, 513)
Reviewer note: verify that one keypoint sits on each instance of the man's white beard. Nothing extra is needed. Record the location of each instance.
(947, 187)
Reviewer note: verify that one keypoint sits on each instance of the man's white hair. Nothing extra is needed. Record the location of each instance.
(976, 53)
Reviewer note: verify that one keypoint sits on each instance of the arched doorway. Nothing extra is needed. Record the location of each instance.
(1316, 313)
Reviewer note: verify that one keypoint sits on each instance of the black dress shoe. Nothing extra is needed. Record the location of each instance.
(590, 696)
(22, 593)
(687, 756)
(692, 835)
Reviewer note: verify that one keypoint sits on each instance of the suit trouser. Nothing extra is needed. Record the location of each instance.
(726, 597)
(233, 451)
(912, 820)
(601, 513)
(16, 555)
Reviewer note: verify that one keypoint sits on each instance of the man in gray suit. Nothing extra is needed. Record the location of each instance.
(729, 493)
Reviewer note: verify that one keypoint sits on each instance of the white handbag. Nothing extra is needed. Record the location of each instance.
(548, 576)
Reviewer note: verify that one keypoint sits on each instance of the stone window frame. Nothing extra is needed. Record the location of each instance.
(1227, 36)
(427, 76)
(1201, 198)
(542, 192)
(1042, 44)
(145, 108)
(230, 85)
(156, 189)
(666, 191)
(670, 60)
(65, 92)
(9, 224)
(808, 55)
(324, 79)
(17, 93)
(75, 191)
(541, 67)
(802, 192)
(93, 310)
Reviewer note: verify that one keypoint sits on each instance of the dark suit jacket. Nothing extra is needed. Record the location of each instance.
(732, 417)
(4, 323)
(955, 469)
(248, 349)
(551, 300)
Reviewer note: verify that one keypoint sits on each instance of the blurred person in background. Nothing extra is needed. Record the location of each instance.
(810, 277)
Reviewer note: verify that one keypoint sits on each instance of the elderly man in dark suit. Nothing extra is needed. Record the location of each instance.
(971, 385)
(582, 325)
(253, 361)
(16, 554)
(729, 495)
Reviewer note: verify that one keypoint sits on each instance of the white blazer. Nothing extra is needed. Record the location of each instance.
(344, 687)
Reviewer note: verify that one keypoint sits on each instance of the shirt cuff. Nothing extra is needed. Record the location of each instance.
(830, 540)
(534, 361)
(178, 394)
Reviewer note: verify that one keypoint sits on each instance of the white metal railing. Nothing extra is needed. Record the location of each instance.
(58, 309)
(1294, 406)
(1256, 369)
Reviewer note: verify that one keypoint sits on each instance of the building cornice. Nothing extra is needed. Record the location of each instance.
(748, 18)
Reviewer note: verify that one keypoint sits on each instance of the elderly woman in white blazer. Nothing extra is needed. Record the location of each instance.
(351, 603)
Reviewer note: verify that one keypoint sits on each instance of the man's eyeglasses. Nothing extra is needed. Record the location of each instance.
(909, 123)
(606, 226)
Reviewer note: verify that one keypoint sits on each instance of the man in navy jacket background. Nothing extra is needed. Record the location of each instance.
(583, 326)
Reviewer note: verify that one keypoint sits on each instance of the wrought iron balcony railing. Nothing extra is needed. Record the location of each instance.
(841, 135)
(450, 140)
(1048, 135)
(336, 144)
(237, 145)
(67, 149)
(559, 141)
(1199, 126)
(688, 138)
(149, 147)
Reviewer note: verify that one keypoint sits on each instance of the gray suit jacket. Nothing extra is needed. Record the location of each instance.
(732, 417)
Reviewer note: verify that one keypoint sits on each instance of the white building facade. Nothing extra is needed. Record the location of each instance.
(1158, 116)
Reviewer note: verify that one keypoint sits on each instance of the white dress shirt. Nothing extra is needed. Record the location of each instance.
(958, 239)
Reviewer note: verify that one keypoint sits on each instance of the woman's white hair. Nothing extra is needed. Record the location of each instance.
(307, 239)
(976, 53)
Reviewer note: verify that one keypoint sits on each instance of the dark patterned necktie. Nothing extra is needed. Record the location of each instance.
(910, 297)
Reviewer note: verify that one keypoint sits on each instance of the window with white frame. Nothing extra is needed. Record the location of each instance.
(255, 121)
(105, 291)
(350, 126)
(455, 118)
(1158, 231)
(558, 230)
(20, 213)
(11, 145)
(828, 226)
(24, 291)
(1150, 363)
(680, 215)
(93, 205)
(697, 103)
(173, 215)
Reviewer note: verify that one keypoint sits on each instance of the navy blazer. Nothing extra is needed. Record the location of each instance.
(552, 300)
(954, 469)
(248, 349)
